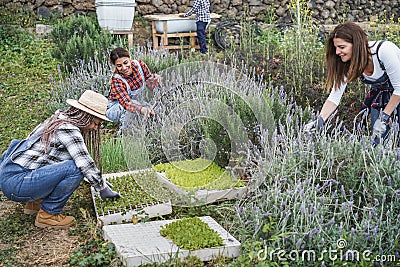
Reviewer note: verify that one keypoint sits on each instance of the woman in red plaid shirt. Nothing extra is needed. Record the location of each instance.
(127, 86)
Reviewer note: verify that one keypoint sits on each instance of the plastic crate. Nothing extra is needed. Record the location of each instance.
(150, 210)
(142, 243)
(202, 195)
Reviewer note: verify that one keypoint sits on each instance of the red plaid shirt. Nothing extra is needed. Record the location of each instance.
(118, 87)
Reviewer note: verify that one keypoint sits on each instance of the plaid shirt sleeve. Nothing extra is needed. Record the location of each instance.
(119, 92)
(193, 10)
(202, 10)
(72, 139)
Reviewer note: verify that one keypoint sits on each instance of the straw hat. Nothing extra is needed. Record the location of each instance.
(92, 103)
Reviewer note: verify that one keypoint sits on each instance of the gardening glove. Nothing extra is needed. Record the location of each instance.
(106, 193)
(110, 185)
(147, 111)
(379, 128)
(315, 125)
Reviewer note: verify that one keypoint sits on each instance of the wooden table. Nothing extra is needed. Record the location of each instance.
(165, 35)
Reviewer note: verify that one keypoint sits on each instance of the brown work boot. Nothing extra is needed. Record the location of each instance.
(59, 221)
(32, 207)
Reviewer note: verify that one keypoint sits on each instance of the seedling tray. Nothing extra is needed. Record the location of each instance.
(149, 209)
(204, 196)
(142, 243)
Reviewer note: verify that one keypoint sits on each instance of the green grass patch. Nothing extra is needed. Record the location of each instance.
(26, 68)
(112, 155)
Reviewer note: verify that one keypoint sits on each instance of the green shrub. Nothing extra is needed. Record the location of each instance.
(79, 38)
(26, 68)
(14, 13)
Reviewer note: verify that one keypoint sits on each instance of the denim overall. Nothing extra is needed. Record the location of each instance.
(379, 95)
(53, 183)
(115, 111)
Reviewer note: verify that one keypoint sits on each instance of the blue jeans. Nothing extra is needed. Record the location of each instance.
(201, 35)
(54, 184)
(118, 114)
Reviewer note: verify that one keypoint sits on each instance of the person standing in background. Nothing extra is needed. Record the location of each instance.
(202, 10)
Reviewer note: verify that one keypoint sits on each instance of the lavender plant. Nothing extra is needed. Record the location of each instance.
(204, 110)
(93, 74)
(319, 190)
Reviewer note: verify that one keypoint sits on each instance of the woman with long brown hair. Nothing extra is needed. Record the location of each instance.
(349, 56)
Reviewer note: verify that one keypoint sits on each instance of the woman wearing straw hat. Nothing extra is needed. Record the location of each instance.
(47, 167)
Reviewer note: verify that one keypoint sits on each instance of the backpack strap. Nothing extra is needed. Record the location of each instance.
(15, 145)
(141, 72)
(377, 55)
(116, 75)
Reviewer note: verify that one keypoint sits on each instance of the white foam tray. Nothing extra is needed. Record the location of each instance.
(142, 243)
(203, 195)
(149, 210)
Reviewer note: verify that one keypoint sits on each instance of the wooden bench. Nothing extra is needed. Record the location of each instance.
(161, 37)
(160, 40)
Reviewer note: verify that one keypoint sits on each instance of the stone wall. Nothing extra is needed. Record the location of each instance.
(326, 12)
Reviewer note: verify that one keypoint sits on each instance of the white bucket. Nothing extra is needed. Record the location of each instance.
(115, 15)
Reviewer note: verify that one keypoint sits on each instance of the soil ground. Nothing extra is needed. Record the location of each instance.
(39, 247)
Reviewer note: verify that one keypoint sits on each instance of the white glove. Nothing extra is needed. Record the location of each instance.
(315, 125)
(379, 128)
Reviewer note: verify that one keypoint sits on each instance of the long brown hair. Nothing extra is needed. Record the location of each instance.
(352, 69)
(118, 53)
(80, 119)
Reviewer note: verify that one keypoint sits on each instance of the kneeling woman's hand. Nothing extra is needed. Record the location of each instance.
(106, 193)
(147, 111)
